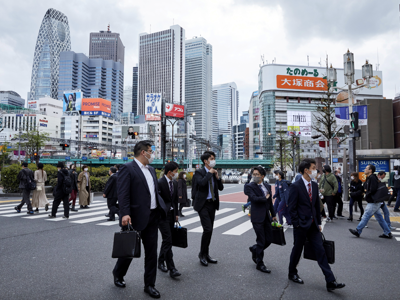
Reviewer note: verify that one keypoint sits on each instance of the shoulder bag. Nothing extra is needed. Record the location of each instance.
(329, 247)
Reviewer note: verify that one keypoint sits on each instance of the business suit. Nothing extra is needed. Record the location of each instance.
(306, 217)
(110, 191)
(167, 225)
(205, 205)
(261, 210)
(135, 200)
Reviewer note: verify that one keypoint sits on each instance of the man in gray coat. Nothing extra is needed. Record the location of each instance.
(24, 176)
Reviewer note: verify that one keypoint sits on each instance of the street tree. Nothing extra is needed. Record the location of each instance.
(32, 141)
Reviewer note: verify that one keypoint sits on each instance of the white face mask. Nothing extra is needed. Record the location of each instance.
(396, 172)
(152, 157)
(352, 177)
(175, 176)
(184, 176)
(313, 174)
(212, 163)
(85, 169)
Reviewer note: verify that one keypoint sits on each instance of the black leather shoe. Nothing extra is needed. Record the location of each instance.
(330, 286)
(162, 267)
(111, 219)
(210, 259)
(355, 232)
(253, 255)
(174, 273)
(107, 215)
(296, 278)
(119, 282)
(263, 269)
(384, 236)
(203, 260)
(151, 290)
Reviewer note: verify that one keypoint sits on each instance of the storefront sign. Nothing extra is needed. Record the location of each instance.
(300, 83)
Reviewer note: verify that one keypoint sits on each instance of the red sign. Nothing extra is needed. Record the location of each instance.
(40, 120)
(174, 110)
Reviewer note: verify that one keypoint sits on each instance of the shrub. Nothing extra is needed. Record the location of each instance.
(51, 173)
(9, 178)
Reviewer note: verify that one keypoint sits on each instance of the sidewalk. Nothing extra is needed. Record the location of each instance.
(394, 216)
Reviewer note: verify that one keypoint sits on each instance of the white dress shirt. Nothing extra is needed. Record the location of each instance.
(264, 189)
(168, 180)
(150, 183)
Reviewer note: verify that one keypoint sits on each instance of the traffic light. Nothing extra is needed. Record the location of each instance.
(354, 120)
(64, 146)
(136, 133)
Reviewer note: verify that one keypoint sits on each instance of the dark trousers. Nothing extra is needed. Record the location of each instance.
(359, 202)
(73, 197)
(300, 235)
(149, 237)
(26, 199)
(323, 214)
(397, 205)
(264, 237)
(393, 196)
(113, 207)
(331, 202)
(57, 202)
(339, 202)
(207, 217)
(166, 227)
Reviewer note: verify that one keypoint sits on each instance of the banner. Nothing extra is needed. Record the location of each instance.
(299, 122)
(153, 107)
(174, 110)
(343, 118)
(96, 106)
(72, 101)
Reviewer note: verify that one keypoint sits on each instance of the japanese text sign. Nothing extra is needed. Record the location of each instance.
(300, 83)
(153, 107)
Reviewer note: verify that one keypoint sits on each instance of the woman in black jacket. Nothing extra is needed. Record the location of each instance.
(182, 192)
(356, 195)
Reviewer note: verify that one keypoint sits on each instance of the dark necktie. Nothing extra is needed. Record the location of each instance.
(212, 190)
(171, 188)
(309, 192)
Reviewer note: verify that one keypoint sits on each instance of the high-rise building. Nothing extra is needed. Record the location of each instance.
(198, 86)
(11, 98)
(127, 107)
(135, 89)
(53, 38)
(255, 136)
(96, 78)
(162, 65)
(106, 45)
(244, 118)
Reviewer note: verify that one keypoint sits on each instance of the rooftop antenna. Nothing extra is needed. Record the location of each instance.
(262, 59)
(320, 64)
(377, 54)
(108, 27)
(308, 60)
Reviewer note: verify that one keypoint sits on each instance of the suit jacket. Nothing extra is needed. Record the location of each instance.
(202, 178)
(302, 211)
(59, 193)
(110, 190)
(164, 191)
(134, 195)
(261, 206)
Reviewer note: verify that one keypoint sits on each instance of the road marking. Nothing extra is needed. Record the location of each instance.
(240, 229)
(397, 239)
(396, 233)
(109, 223)
(89, 214)
(222, 221)
(197, 219)
(84, 221)
(8, 201)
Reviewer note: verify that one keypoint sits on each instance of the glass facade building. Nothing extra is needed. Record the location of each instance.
(135, 89)
(11, 98)
(107, 45)
(53, 38)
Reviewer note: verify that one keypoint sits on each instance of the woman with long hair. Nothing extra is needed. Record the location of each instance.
(182, 192)
(356, 195)
(39, 198)
(84, 187)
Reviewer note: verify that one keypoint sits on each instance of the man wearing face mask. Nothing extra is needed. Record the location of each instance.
(392, 182)
(396, 186)
(168, 189)
(304, 208)
(141, 206)
(59, 193)
(206, 202)
(328, 186)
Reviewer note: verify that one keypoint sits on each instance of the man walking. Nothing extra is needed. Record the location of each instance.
(110, 192)
(168, 189)
(206, 202)
(142, 207)
(385, 210)
(338, 197)
(74, 192)
(371, 187)
(61, 191)
(328, 186)
(304, 208)
(24, 176)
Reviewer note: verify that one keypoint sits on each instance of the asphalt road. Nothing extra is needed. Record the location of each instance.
(41, 259)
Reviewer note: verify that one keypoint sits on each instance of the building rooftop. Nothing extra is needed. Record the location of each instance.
(10, 92)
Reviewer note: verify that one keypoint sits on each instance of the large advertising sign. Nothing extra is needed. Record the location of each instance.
(32, 104)
(72, 101)
(342, 115)
(96, 107)
(153, 107)
(299, 122)
(128, 132)
(174, 110)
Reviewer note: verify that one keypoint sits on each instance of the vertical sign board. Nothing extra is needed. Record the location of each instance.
(380, 165)
(299, 121)
(342, 115)
(153, 106)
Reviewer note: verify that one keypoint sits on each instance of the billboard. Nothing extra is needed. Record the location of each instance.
(342, 115)
(72, 101)
(153, 106)
(299, 121)
(127, 131)
(32, 104)
(174, 110)
(96, 107)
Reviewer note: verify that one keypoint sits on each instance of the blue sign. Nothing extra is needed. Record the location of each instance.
(153, 148)
(380, 165)
(43, 125)
(125, 158)
(9, 147)
(84, 158)
(68, 158)
(342, 114)
(96, 113)
(101, 158)
(335, 160)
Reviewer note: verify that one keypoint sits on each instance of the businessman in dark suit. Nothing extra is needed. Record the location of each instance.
(304, 211)
(206, 201)
(168, 189)
(110, 192)
(142, 206)
(262, 211)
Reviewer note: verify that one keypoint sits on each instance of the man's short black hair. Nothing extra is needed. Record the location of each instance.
(306, 164)
(139, 147)
(327, 169)
(382, 173)
(396, 168)
(206, 155)
(372, 168)
(260, 170)
(276, 172)
(113, 170)
(171, 166)
(25, 164)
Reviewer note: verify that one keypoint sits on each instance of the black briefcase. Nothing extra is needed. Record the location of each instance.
(179, 236)
(278, 236)
(126, 244)
(329, 247)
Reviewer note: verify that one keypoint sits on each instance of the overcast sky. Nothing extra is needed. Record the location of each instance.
(240, 31)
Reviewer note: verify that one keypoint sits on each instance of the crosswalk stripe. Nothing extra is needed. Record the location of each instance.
(397, 228)
(88, 214)
(84, 221)
(7, 206)
(109, 223)
(197, 219)
(222, 221)
(396, 233)
(397, 239)
(240, 229)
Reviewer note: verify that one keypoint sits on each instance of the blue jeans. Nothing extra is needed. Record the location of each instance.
(372, 209)
(396, 206)
(247, 205)
(386, 213)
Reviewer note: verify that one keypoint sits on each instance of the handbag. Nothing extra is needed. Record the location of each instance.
(329, 247)
(381, 194)
(278, 236)
(126, 243)
(179, 236)
(38, 188)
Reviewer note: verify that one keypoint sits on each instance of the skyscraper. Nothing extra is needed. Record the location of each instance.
(127, 107)
(135, 90)
(162, 65)
(96, 78)
(198, 86)
(53, 38)
(106, 45)
(11, 98)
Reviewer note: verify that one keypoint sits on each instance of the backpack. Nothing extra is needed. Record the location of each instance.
(29, 182)
(67, 185)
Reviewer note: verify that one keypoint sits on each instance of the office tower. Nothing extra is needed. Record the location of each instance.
(106, 45)
(162, 65)
(96, 78)
(198, 86)
(11, 98)
(53, 38)
(127, 107)
(244, 118)
(135, 89)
